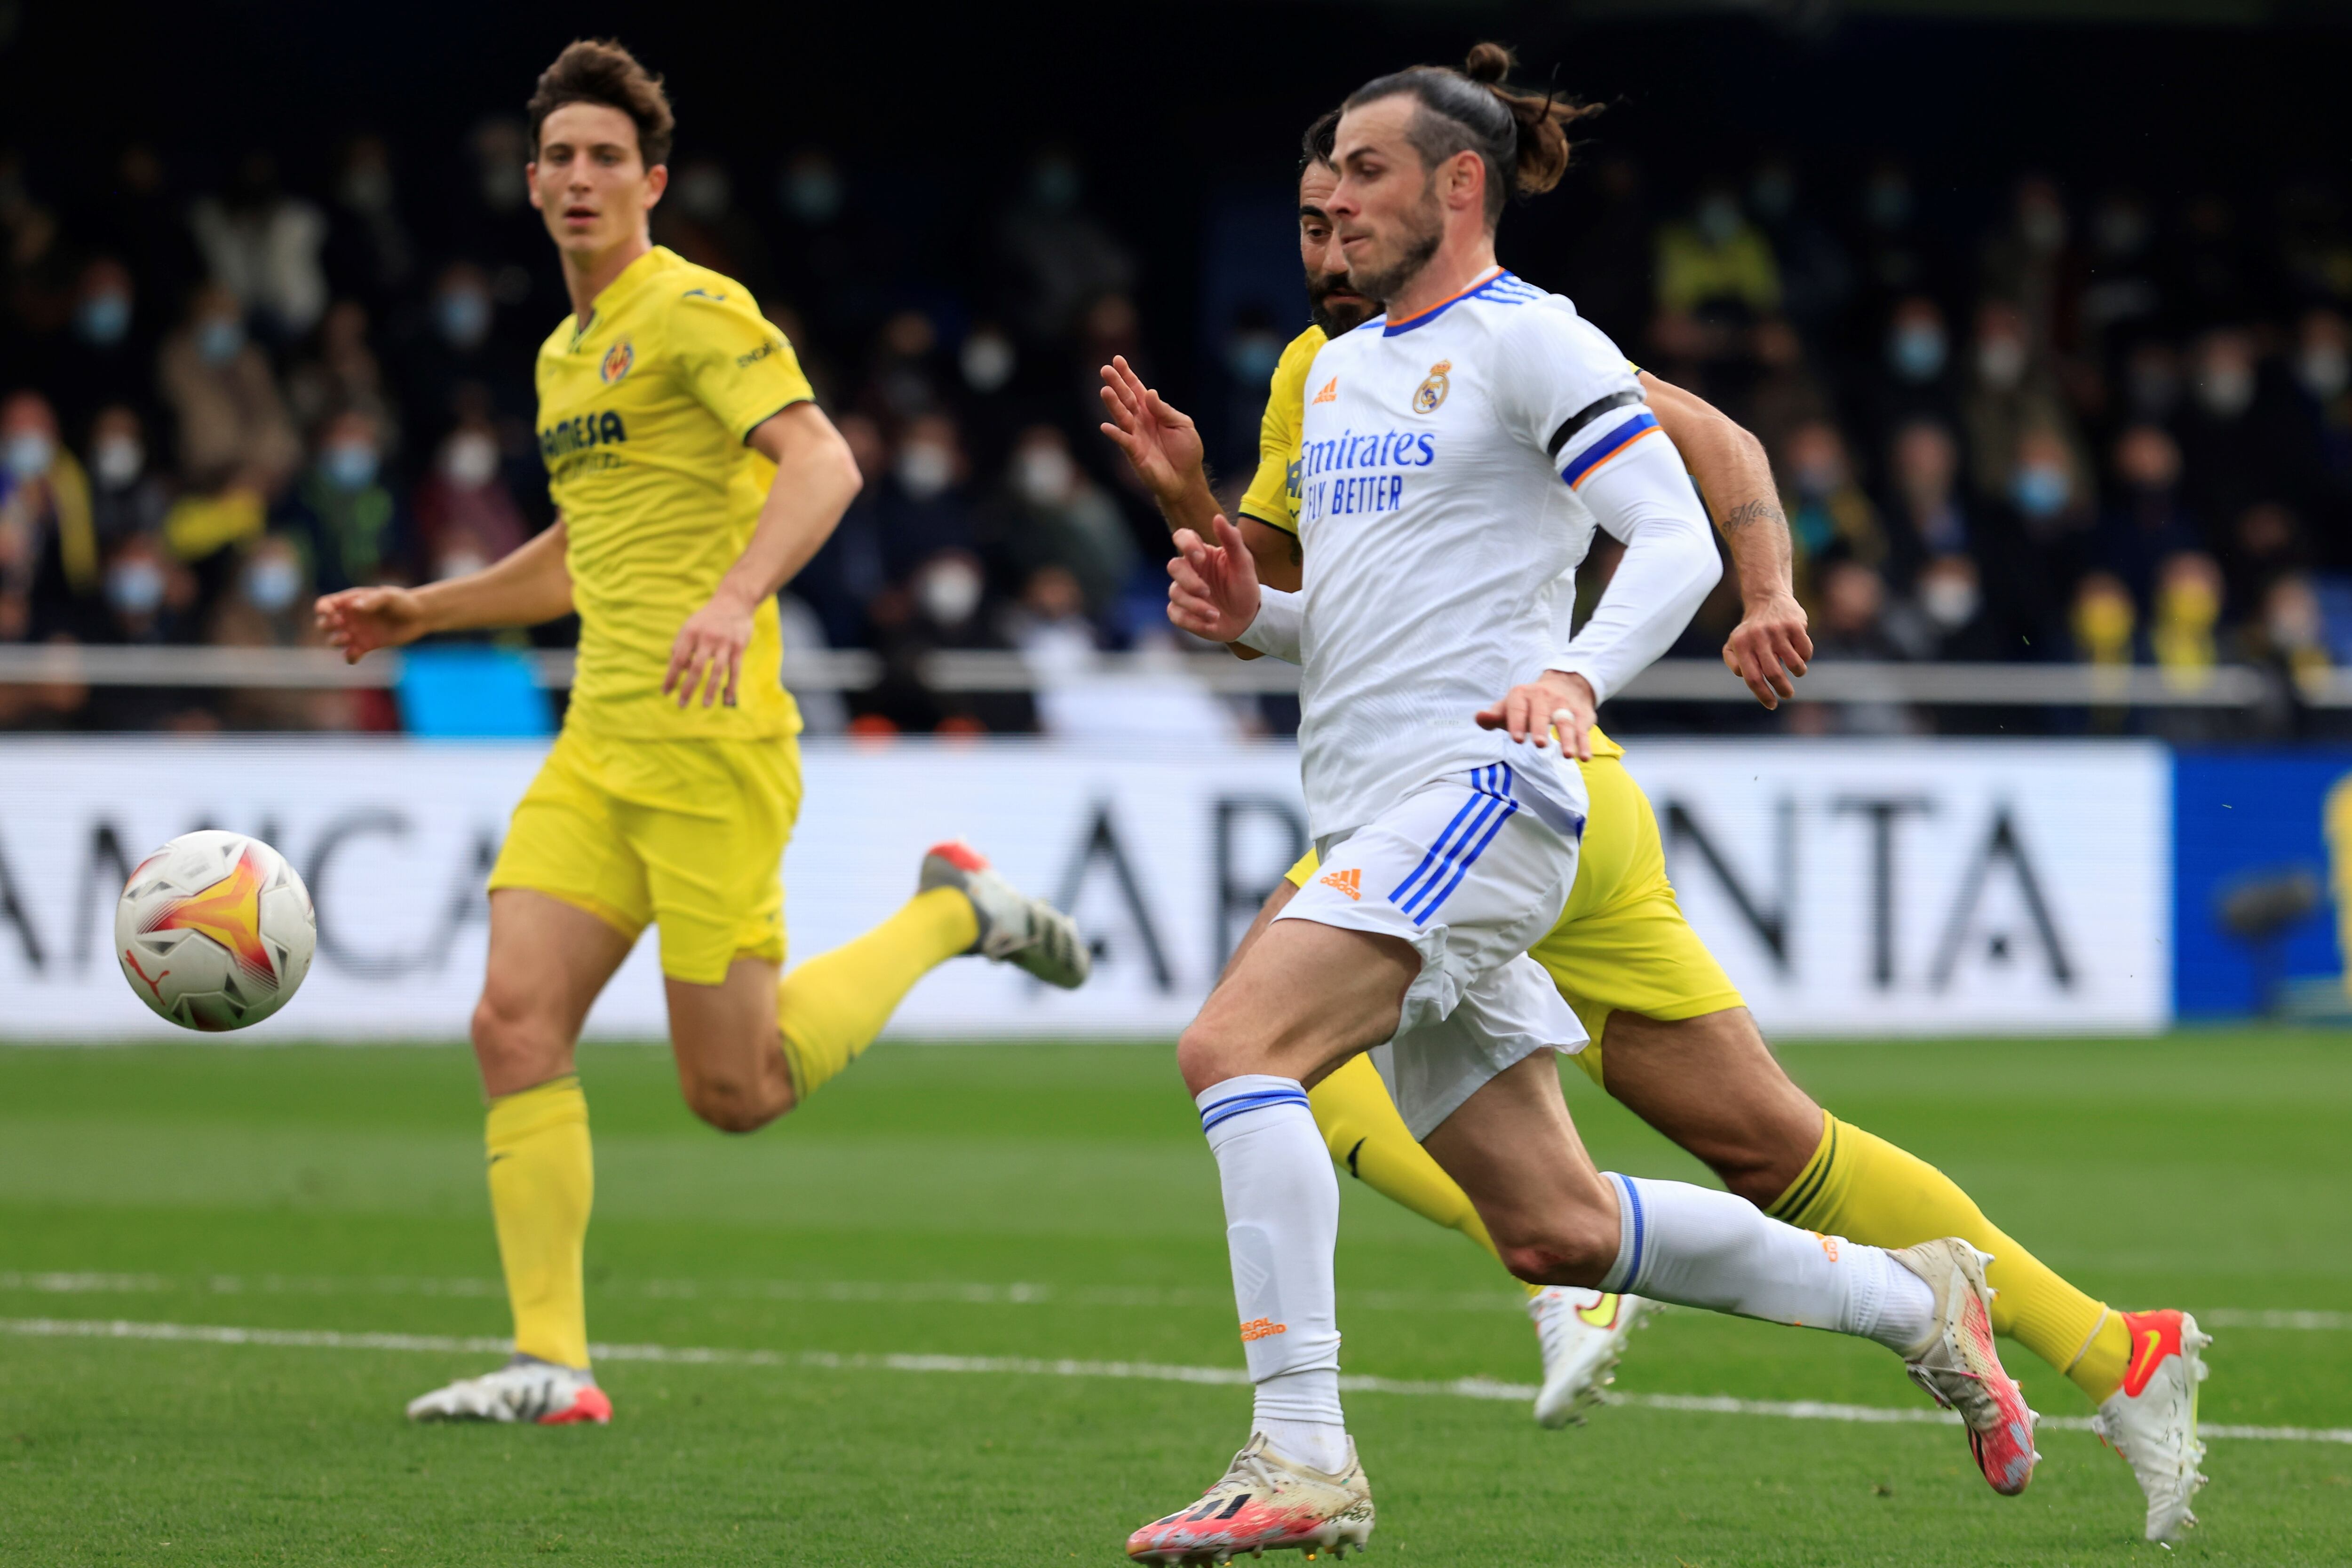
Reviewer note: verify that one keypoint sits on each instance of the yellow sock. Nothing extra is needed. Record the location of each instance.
(1361, 1128)
(542, 1181)
(1861, 1186)
(832, 1007)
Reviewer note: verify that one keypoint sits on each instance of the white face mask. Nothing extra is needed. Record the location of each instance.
(2225, 391)
(1044, 476)
(2323, 370)
(461, 562)
(1950, 602)
(925, 468)
(271, 584)
(987, 361)
(2001, 362)
(28, 453)
(950, 592)
(470, 460)
(118, 460)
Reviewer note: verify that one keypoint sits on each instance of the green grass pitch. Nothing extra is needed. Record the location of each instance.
(1057, 1202)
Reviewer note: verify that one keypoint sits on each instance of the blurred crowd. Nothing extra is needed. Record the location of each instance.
(2100, 426)
(2041, 423)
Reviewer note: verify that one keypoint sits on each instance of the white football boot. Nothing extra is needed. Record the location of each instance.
(1583, 1334)
(2151, 1420)
(1015, 928)
(1265, 1502)
(525, 1389)
(1957, 1365)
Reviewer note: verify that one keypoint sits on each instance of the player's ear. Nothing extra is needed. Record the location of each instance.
(657, 181)
(530, 180)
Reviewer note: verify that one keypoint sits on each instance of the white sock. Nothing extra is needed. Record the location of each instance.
(1282, 1224)
(1699, 1248)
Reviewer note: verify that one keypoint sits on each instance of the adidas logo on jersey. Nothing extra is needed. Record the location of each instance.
(1330, 393)
(1349, 882)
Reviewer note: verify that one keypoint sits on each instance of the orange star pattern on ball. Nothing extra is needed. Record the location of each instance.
(229, 912)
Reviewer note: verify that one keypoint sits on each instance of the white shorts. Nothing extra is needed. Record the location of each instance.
(1464, 869)
(1503, 1019)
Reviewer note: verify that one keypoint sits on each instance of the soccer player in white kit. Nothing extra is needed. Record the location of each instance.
(1459, 452)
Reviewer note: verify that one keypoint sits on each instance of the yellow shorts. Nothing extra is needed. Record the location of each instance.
(1622, 941)
(687, 835)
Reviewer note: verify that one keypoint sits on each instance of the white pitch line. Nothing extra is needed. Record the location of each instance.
(914, 1292)
(1129, 1371)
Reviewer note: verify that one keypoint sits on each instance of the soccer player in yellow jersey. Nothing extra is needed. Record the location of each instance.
(694, 475)
(1671, 1038)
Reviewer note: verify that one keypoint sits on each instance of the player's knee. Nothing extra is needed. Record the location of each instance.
(732, 1103)
(1205, 1055)
(510, 1035)
(1570, 1250)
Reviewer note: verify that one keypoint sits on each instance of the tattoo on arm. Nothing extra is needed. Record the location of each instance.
(1752, 512)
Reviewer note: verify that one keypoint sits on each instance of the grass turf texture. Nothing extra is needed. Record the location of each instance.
(342, 1189)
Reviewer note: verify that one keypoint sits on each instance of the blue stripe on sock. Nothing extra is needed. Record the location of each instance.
(1243, 1105)
(1463, 870)
(1633, 1201)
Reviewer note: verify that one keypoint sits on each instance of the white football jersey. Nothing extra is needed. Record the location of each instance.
(1441, 528)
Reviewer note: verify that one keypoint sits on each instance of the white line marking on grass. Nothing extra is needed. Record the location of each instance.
(914, 1292)
(1127, 1371)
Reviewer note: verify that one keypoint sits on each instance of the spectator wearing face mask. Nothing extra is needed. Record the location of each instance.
(2240, 438)
(268, 606)
(466, 518)
(125, 497)
(943, 608)
(2290, 635)
(1054, 516)
(922, 509)
(1060, 258)
(370, 252)
(451, 352)
(700, 219)
(105, 356)
(149, 599)
(230, 425)
(49, 541)
(1944, 617)
(1918, 375)
(2146, 520)
(1852, 624)
(2029, 261)
(339, 369)
(2008, 391)
(343, 511)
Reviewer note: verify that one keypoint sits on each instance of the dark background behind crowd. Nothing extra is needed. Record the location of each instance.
(2045, 328)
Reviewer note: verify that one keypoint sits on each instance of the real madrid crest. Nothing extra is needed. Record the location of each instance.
(1429, 394)
(620, 356)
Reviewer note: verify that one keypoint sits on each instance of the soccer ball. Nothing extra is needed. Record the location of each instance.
(214, 931)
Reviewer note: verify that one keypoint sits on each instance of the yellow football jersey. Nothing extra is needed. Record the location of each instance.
(1273, 497)
(644, 408)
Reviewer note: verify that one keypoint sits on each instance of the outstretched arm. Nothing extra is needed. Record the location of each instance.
(1163, 446)
(816, 478)
(529, 585)
(1770, 646)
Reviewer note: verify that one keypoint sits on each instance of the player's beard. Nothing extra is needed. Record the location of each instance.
(1335, 317)
(1422, 232)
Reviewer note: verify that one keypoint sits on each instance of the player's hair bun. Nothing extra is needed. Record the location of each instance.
(1488, 64)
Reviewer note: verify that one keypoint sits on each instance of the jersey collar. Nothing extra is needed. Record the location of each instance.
(1441, 306)
(626, 284)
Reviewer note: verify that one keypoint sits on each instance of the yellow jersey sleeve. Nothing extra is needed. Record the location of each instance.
(732, 358)
(1272, 496)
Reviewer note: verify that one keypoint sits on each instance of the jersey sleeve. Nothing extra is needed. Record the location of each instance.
(1570, 392)
(1273, 497)
(733, 360)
